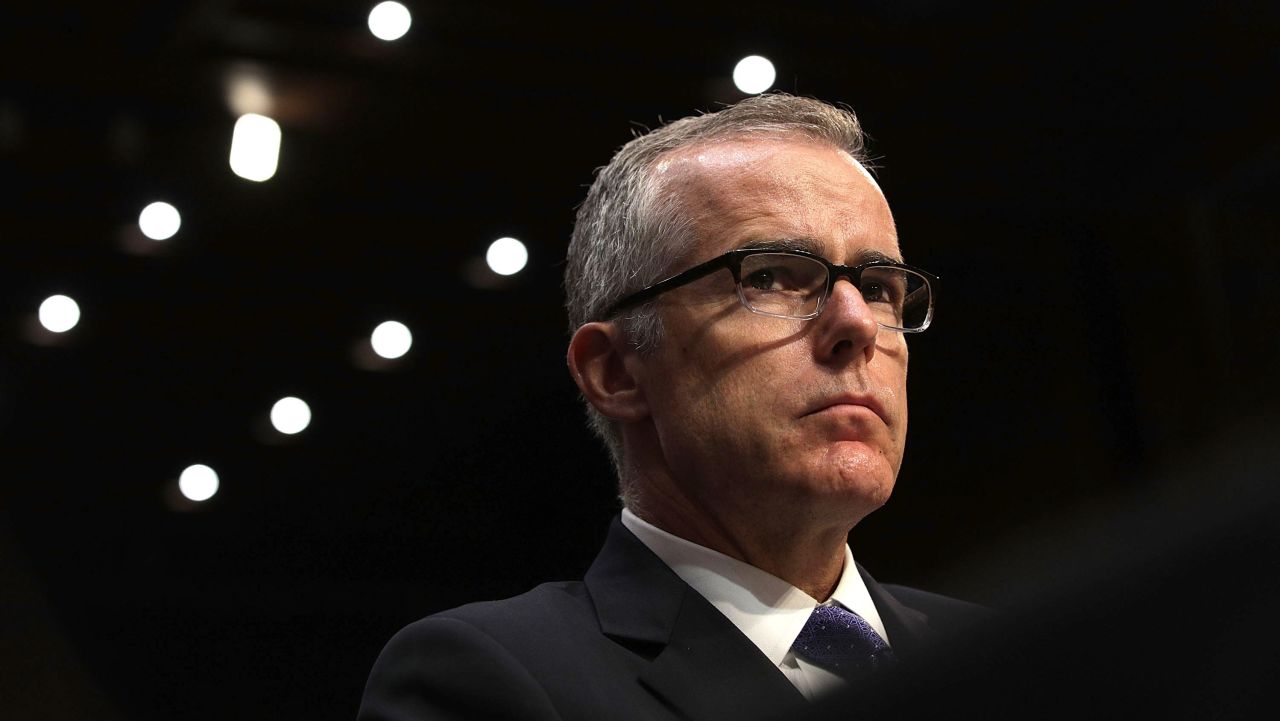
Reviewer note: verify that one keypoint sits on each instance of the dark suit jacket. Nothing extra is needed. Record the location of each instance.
(631, 641)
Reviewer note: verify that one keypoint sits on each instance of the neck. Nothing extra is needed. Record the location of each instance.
(807, 554)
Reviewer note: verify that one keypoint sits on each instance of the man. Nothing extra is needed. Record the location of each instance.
(740, 311)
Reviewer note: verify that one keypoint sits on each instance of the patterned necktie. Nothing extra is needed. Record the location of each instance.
(840, 641)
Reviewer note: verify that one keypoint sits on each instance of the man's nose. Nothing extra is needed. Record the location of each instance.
(846, 326)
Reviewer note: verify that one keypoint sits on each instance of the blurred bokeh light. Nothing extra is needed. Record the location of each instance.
(754, 74)
(255, 147)
(507, 256)
(389, 20)
(159, 221)
(290, 415)
(198, 482)
(59, 313)
(391, 339)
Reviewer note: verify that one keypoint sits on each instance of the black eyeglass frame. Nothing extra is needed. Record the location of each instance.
(733, 261)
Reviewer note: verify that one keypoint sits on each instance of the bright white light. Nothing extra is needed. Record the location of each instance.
(159, 221)
(198, 482)
(391, 339)
(506, 256)
(59, 314)
(255, 147)
(389, 21)
(754, 74)
(290, 415)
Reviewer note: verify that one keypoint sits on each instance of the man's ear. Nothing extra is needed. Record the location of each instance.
(598, 361)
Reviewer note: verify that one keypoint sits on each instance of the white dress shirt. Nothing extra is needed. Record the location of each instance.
(768, 610)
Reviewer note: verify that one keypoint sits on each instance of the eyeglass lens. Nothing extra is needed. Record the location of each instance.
(792, 286)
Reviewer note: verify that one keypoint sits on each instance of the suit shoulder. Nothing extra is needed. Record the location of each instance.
(548, 599)
(534, 613)
(463, 663)
(944, 612)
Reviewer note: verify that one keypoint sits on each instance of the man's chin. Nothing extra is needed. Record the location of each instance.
(856, 473)
(857, 458)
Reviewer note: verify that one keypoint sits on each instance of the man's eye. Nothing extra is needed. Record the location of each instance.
(761, 280)
(882, 291)
(779, 278)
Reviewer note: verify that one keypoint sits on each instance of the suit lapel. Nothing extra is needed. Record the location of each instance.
(711, 671)
(702, 666)
(908, 628)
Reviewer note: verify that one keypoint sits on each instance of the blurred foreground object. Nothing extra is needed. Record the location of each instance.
(1168, 610)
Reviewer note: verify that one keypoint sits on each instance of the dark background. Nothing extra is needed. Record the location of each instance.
(1095, 184)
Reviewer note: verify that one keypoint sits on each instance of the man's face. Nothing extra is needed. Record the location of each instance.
(761, 415)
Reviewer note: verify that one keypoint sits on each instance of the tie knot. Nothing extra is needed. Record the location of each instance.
(843, 642)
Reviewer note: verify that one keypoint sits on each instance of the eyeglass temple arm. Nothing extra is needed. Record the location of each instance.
(675, 281)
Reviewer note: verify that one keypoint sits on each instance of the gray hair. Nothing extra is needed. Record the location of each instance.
(628, 231)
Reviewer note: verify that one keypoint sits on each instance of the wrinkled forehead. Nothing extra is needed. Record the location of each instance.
(744, 191)
(742, 153)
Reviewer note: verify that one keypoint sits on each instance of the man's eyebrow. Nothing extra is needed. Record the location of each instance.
(873, 256)
(806, 244)
(812, 246)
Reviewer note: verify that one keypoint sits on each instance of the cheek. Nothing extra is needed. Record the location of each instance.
(724, 408)
(904, 406)
(890, 373)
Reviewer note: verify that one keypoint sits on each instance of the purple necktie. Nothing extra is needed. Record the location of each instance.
(840, 641)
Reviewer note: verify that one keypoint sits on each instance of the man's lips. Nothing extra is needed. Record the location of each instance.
(847, 399)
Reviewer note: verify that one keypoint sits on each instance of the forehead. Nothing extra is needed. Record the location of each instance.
(740, 192)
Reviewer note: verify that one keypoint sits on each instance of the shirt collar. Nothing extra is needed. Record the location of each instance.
(766, 609)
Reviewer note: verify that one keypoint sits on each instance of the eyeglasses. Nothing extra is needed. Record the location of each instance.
(796, 284)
